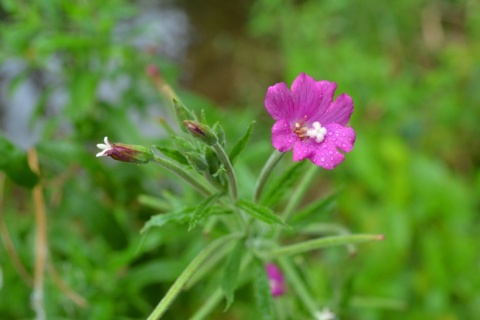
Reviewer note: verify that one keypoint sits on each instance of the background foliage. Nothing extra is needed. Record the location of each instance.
(412, 68)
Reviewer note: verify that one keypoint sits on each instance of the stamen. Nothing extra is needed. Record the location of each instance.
(317, 132)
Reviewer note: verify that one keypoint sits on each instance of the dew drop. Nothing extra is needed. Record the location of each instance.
(322, 159)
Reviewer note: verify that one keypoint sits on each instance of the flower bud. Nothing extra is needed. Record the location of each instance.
(201, 131)
(275, 277)
(125, 152)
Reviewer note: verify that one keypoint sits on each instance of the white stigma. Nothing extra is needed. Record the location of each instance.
(317, 132)
(104, 147)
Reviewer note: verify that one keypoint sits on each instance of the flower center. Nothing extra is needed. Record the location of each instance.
(317, 132)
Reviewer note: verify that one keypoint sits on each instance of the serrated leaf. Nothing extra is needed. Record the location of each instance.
(231, 272)
(241, 143)
(260, 212)
(13, 161)
(202, 210)
(315, 209)
(280, 187)
(181, 216)
(262, 294)
(173, 154)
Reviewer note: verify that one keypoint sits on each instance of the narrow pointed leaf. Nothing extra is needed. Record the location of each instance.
(218, 129)
(260, 212)
(241, 143)
(230, 275)
(280, 187)
(181, 216)
(314, 211)
(201, 211)
(173, 154)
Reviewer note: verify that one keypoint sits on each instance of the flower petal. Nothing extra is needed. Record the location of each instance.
(278, 102)
(325, 154)
(339, 111)
(307, 97)
(283, 138)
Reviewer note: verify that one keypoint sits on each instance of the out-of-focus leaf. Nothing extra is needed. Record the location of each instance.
(13, 161)
(260, 212)
(230, 275)
(241, 143)
(314, 211)
(153, 202)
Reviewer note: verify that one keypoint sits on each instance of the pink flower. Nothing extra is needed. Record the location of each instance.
(277, 284)
(310, 122)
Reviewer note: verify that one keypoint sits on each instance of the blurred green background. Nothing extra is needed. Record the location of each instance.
(72, 72)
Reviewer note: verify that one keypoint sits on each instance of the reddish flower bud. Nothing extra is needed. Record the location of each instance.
(201, 131)
(125, 152)
(275, 276)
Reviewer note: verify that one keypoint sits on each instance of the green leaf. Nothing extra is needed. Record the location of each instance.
(279, 188)
(153, 202)
(260, 212)
(13, 161)
(262, 295)
(203, 117)
(218, 129)
(180, 216)
(241, 143)
(314, 211)
(230, 275)
(182, 113)
(173, 154)
(202, 210)
(325, 242)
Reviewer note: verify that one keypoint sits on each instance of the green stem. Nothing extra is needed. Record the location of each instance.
(230, 172)
(299, 193)
(217, 295)
(297, 284)
(184, 174)
(324, 242)
(265, 173)
(187, 274)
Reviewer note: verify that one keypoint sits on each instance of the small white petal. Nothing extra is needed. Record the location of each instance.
(104, 147)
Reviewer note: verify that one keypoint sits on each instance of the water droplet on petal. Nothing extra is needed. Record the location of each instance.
(322, 159)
